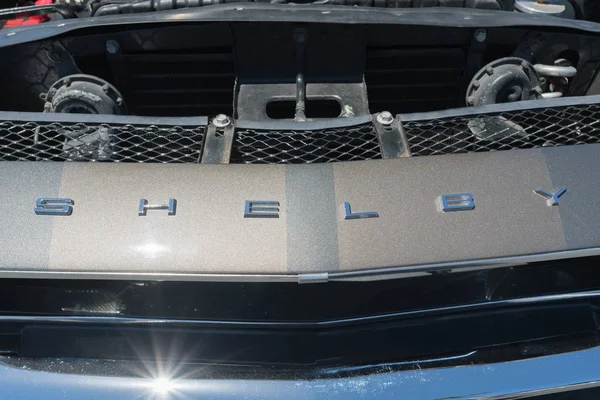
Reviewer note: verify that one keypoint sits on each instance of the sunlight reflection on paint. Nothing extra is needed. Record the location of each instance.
(162, 386)
(152, 250)
(164, 368)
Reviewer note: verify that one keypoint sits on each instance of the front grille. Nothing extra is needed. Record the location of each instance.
(253, 146)
(58, 141)
(521, 129)
(109, 138)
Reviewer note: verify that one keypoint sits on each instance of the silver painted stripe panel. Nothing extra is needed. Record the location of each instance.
(508, 218)
(577, 168)
(25, 237)
(209, 236)
(208, 233)
(311, 219)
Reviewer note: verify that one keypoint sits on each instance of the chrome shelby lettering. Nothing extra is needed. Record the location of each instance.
(348, 214)
(53, 206)
(551, 198)
(456, 202)
(261, 209)
(144, 207)
(270, 208)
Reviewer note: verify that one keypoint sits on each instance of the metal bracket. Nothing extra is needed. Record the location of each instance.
(217, 145)
(252, 99)
(392, 139)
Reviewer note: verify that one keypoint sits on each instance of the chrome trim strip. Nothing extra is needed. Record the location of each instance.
(513, 379)
(370, 274)
(147, 276)
(129, 321)
(465, 265)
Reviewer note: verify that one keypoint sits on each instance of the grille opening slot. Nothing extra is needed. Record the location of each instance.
(315, 108)
(407, 79)
(180, 84)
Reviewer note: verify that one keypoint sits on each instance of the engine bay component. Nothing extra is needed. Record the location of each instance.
(84, 94)
(40, 9)
(557, 8)
(555, 79)
(160, 71)
(505, 80)
(566, 71)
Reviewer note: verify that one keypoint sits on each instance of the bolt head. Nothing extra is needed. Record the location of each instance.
(480, 35)
(55, 54)
(105, 88)
(112, 46)
(221, 121)
(489, 70)
(385, 118)
(300, 35)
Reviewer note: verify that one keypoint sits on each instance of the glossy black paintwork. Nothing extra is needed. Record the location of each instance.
(489, 337)
(287, 324)
(347, 333)
(364, 343)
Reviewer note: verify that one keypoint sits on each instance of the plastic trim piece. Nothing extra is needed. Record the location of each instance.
(499, 108)
(332, 323)
(261, 12)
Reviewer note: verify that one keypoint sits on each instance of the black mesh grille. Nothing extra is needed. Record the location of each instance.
(503, 131)
(130, 139)
(253, 146)
(54, 141)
